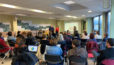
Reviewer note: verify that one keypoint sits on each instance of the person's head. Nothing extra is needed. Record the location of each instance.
(29, 34)
(85, 33)
(110, 43)
(19, 32)
(105, 35)
(43, 36)
(0, 34)
(53, 41)
(75, 43)
(9, 33)
(20, 40)
(74, 28)
(24, 34)
(92, 36)
(97, 32)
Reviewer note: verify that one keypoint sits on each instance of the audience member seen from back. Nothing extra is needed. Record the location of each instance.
(91, 45)
(18, 33)
(85, 35)
(22, 56)
(107, 53)
(42, 47)
(105, 37)
(53, 49)
(3, 46)
(76, 35)
(98, 36)
(77, 52)
(11, 37)
(24, 34)
(30, 40)
(1, 36)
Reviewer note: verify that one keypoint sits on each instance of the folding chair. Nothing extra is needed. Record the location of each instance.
(6, 54)
(53, 59)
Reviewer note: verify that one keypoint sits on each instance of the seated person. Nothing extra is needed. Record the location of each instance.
(3, 46)
(78, 52)
(91, 44)
(21, 54)
(10, 37)
(30, 40)
(43, 43)
(1, 36)
(53, 49)
(107, 53)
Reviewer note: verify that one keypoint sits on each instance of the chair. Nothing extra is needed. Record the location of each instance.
(11, 43)
(83, 42)
(2, 61)
(95, 55)
(108, 61)
(77, 59)
(53, 59)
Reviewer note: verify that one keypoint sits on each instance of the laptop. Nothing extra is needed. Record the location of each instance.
(32, 48)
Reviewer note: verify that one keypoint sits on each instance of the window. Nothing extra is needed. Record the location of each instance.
(108, 25)
(96, 23)
(101, 19)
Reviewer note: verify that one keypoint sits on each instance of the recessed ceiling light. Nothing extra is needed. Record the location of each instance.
(69, 2)
(89, 11)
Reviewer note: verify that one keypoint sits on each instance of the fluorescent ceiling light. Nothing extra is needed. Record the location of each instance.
(69, 2)
(8, 6)
(69, 16)
(22, 8)
(61, 8)
(20, 14)
(39, 11)
(83, 15)
(89, 11)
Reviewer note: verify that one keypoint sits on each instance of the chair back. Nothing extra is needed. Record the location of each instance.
(11, 43)
(108, 61)
(53, 59)
(77, 59)
(91, 45)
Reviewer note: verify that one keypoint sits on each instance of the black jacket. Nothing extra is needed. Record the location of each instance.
(106, 54)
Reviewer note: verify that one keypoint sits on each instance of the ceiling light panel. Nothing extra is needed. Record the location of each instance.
(22, 8)
(69, 2)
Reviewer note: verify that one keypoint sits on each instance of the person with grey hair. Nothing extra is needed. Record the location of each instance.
(77, 51)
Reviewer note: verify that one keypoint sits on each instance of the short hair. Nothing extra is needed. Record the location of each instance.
(92, 36)
(98, 32)
(0, 34)
(18, 32)
(43, 36)
(23, 40)
(111, 41)
(10, 33)
(85, 33)
(76, 42)
(29, 34)
(53, 41)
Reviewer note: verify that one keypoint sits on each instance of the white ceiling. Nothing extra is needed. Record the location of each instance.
(47, 5)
